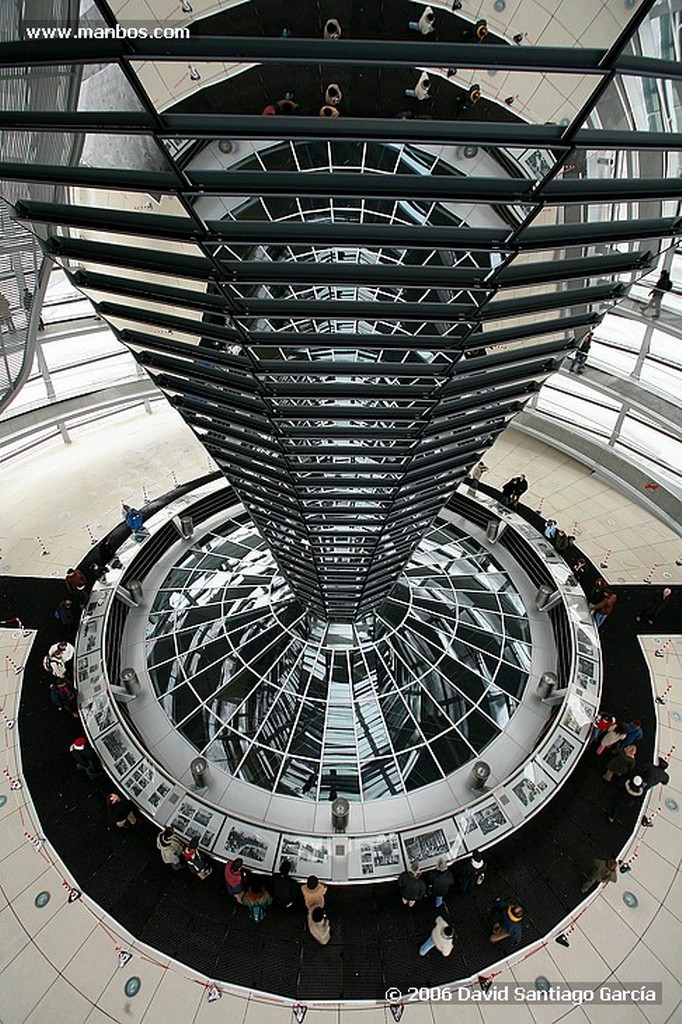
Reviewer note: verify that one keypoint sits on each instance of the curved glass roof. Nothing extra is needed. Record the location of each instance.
(308, 708)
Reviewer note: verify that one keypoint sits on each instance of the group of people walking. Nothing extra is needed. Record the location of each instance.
(505, 916)
(256, 893)
(249, 889)
(561, 540)
(630, 779)
(513, 491)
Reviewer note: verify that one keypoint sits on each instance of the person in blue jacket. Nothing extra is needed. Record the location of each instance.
(507, 922)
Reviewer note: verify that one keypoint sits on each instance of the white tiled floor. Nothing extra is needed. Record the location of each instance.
(543, 22)
(60, 964)
(608, 527)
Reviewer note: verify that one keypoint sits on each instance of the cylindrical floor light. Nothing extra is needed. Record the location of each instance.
(480, 773)
(199, 770)
(130, 680)
(548, 681)
(340, 814)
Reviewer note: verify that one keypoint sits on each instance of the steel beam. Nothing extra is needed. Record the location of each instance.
(353, 52)
(410, 236)
(130, 256)
(276, 50)
(515, 135)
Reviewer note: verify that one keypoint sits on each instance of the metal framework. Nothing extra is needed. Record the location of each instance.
(345, 341)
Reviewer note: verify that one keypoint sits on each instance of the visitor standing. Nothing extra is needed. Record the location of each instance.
(441, 938)
(663, 285)
(412, 887)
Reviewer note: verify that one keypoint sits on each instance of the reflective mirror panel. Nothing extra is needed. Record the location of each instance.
(304, 707)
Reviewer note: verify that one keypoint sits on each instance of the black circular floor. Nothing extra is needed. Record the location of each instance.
(375, 939)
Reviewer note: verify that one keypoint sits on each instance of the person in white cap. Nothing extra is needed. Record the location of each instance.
(425, 23)
(319, 926)
(333, 95)
(61, 655)
(630, 795)
(473, 874)
(655, 606)
(421, 89)
(332, 29)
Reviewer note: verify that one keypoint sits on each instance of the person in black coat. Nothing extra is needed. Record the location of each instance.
(441, 882)
(412, 887)
(663, 285)
(507, 492)
(655, 774)
(629, 795)
(655, 605)
(197, 864)
(563, 541)
(63, 698)
(85, 757)
(472, 874)
(520, 488)
(598, 591)
(107, 554)
(513, 490)
(281, 887)
(121, 811)
(68, 613)
(581, 354)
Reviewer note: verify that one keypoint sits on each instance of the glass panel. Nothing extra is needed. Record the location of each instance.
(271, 691)
(621, 331)
(649, 440)
(611, 358)
(666, 347)
(648, 104)
(302, 706)
(579, 404)
(80, 149)
(666, 379)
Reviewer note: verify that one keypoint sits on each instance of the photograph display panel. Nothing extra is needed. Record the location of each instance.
(98, 715)
(195, 820)
(148, 786)
(375, 856)
(587, 674)
(308, 855)
(561, 753)
(99, 599)
(430, 843)
(577, 715)
(587, 642)
(256, 846)
(90, 635)
(527, 790)
(89, 678)
(482, 824)
(118, 752)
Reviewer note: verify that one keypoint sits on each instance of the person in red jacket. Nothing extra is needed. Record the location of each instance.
(235, 878)
(195, 860)
(604, 608)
